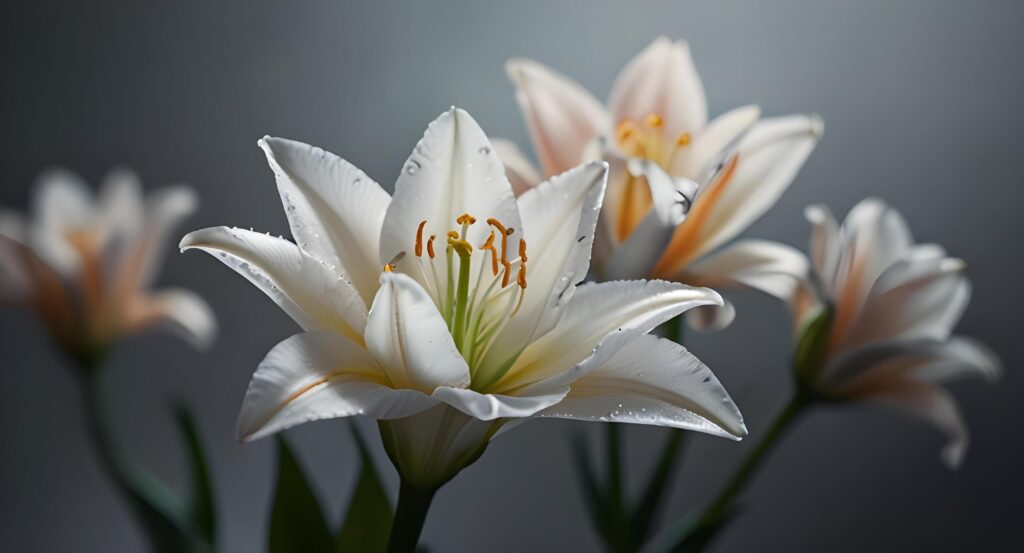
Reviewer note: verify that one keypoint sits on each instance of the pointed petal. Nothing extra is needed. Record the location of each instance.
(310, 292)
(408, 337)
(601, 318)
(935, 406)
(825, 246)
(771, 267)
(653, 381)
(670, 198)
(121, 205)
(927, 303)
(163, 212)
(62, 201)
(452, 171)
(488, 407)
(181, 311)
(711, 318)
(521, 172)
(334, 210)
(15, 273)
(712, 146)
(561, 116)
(661, 80)
(559, 219)
(320, 375)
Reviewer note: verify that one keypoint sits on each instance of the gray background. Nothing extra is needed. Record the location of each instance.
(922, 104)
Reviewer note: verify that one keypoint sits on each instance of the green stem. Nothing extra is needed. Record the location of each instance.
(719, 508)
(410, 515)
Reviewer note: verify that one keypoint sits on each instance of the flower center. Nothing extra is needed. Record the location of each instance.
(647, 140)
(476, 304)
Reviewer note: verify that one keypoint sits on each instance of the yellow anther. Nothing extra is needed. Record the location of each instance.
(419, 239)
(465, 219)
(654, 121)
(505, 233)
(389, 267)
(684, 139)
(489, 246)
(462, 247)
(430, 246)
(625, 130)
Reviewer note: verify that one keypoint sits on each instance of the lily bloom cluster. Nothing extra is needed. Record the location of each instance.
(876, 313)
(453, 308)
(679, 187)
(84, 264)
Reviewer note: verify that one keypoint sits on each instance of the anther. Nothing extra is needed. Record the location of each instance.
(419, 239)
(654, 121)
(390, 266)
(684, 139)
(430, 246)
(489, 246)
(465, 218)
(522, 249)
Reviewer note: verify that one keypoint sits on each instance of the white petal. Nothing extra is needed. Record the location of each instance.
(452, 171)
(711, 318)
(934, 405)
(488, 407)
(825, 246)
(334, 210)
(62, 201)
(319, 375)
(771, 267)
(121, 205)
(521, 172)
(670, 198)
(601, 318)
(181, 311)
(164, 211)
(559, 219)
(661, 80)
(15, 275)
(927, 304)
(561, 115)
(653, 381)
(770, 156)
(305, 288)
(711, 147)
(408, 337)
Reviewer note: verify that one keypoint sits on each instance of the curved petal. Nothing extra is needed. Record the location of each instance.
(306, 289)
(773, 268)
(711, 318)
(164, 210)
(334, 210)
(16, 283)
(925, 305)
(452, 171)
(601, 318)
(521, 172)
(320, 375)
(561, 116)
(408, 337)
(768, 158)
(671, 199)
(712, 146)
(182, 311)
(825, 246)
(559, 220)
(487, 407)
(62, 202)
(934, 405)
(661, 80)
(653, 381)
(121, 206)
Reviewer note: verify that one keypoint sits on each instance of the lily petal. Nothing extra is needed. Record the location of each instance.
(63, 201)
(408, 337)
(334, 210)
(121, 205)
(320, 375)
(182, 311)
(561, 116)
(825, 245)
(670, 198)
(662, 80)
(711, 318)
(453, 170)
(934, 405)
(521, 172)
(307, 290)
(488, 407)
(773, 268)
(164, 210)
(559, 220)
(15, 274)
(601, 318)
(654, 381)
(712, 146)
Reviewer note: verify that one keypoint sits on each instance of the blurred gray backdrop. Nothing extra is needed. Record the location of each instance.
(922, 105)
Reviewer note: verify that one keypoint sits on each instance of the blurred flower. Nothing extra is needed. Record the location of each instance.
(679, 186)
(85, 263)
(875, 318)
(453, 307)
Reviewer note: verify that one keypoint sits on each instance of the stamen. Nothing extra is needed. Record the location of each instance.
(684, 139)
(430, 246)
(390, 266)
(489, 246)
(419, 239)
(465, 220)
(505, 276)
(654, 121)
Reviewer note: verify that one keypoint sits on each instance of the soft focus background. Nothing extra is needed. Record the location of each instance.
(922, 105)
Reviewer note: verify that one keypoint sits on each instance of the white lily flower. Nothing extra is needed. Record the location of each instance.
(453, 307)
(85, 263)
(892, 306)
(680, 187)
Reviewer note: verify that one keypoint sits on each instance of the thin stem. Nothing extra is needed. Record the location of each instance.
(720, 506)
(410, 515)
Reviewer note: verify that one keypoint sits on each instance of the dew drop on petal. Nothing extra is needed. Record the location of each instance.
(412, 167)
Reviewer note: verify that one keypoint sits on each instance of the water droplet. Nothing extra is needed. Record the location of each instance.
(484, 150)
(412, 167)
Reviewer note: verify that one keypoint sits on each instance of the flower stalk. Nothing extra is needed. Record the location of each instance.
(410, 514)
